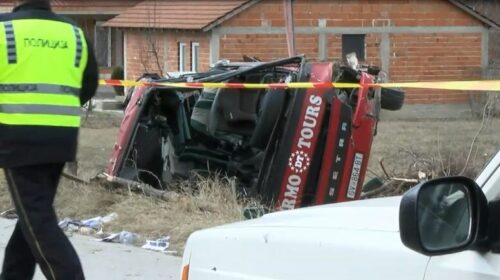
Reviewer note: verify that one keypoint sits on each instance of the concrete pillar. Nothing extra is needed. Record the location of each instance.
(485, 38)
(165, 53)
(385, 52)
(214, 46)
(322, 40)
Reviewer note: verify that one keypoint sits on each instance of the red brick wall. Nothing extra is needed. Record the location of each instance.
(174, 38)
(307, 13)
(141, 59)
(334, 43)
(414, 57)
(265, 46)
(433, 57)
(141, 49)
(359, 13)
(372, 42)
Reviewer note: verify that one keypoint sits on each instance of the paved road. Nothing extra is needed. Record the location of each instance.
(104, 92)
(111, 261)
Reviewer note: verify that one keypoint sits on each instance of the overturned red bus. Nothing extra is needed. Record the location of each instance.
(290, 147)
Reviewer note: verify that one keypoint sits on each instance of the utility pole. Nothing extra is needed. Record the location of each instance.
(289, 26)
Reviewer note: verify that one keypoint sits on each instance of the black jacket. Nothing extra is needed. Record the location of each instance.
(33, 145)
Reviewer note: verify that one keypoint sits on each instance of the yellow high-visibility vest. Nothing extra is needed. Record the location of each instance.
(41, 71)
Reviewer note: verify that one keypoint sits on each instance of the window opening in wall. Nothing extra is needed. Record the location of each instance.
(354, 43)
(182, 57)
(102, 44)
(195, 56)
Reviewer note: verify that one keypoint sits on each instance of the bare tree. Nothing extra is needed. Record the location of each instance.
(149, 53)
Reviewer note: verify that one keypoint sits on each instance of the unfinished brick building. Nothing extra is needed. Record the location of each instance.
(413, 40)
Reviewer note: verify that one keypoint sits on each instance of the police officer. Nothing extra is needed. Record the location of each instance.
(47, 71)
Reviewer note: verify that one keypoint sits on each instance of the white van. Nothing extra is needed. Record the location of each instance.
(447, 228)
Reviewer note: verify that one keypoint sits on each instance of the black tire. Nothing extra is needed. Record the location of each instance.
(392, 99)
(270, 110)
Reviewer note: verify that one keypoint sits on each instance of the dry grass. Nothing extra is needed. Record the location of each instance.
(213, 202)
(430, 149)
(405, 146)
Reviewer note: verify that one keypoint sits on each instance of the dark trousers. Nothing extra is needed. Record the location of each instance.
(37, 238)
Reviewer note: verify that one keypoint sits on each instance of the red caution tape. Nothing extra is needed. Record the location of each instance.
(493, 85)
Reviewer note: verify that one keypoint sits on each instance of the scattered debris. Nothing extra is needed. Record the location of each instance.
(159, 245)
(94, 227)
(86, 227)
(146, 189)
(87, 231)
(10, 214)
(123, 237)
(422, 175)
(93, 223)
(69, 225)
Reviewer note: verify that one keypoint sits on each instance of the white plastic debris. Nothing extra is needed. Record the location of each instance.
(64, 223)
(123, 237)
(114, 237)
(95, 223)
(68, 224)
(160, 245)
(352, 60)
(128, 237)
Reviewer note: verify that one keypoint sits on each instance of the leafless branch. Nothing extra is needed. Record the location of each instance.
(152, 48)
(74, 178)
(441, 161)
(486, 116)
(140, 187)
(381, 163)
(372, 172)
(389, 188)
(404, 180)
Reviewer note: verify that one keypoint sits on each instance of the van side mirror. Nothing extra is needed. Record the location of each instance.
(443, 216)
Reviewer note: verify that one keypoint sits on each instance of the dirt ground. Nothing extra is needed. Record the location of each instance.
(399, 143)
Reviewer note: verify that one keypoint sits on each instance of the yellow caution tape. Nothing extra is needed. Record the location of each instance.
(492, 85)
(488, 85)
